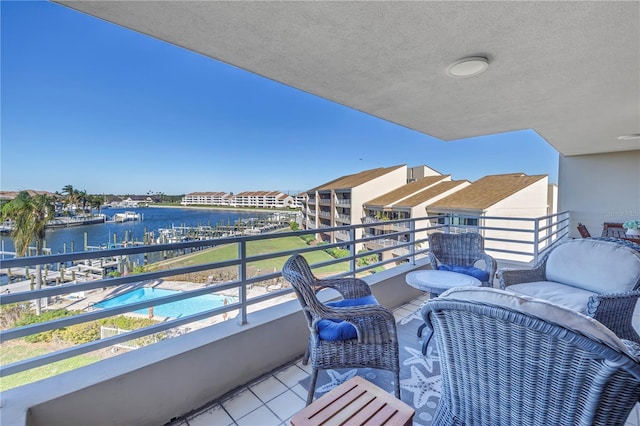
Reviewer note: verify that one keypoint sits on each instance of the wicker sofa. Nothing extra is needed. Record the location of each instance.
(596, 277)
(508, 359)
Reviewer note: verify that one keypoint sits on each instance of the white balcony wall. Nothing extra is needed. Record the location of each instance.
(529, 202)
(152, 385)
(600, 188)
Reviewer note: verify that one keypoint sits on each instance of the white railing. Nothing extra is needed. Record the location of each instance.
(521, 239)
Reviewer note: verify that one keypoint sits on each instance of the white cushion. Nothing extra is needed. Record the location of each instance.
(560, 294)
(599, 266)
(540, 309)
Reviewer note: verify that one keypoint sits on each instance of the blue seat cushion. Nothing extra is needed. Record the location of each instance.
(467, 270)
(330, 329)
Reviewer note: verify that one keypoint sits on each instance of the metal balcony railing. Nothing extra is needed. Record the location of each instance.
(343, 218)
(523, 239)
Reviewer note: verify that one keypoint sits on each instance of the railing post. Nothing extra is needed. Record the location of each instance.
(412, 239)
(536, 240)
(242, 290)
(447, 224)
(352, 250)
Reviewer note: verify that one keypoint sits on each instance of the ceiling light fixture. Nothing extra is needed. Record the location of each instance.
(629, 137)
(468, 67)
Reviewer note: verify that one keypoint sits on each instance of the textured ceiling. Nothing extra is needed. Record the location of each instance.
(568, 70)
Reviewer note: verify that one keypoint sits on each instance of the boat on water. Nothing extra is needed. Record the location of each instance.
(126, 217)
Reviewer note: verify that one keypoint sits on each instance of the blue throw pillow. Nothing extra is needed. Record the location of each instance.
(338, 329)
(467, 270)
(358, 301)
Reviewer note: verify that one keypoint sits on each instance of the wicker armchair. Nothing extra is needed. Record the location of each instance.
(459, 253)
(503, 365)
(598, 277)
(375, 341)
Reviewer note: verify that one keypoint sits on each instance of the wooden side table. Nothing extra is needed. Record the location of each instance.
(355, 402)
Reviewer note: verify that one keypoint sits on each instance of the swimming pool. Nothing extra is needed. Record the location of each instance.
(181, 308)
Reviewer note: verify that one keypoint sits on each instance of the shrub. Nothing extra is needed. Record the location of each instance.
(139, 269)
(78, 333)
(11, 314)
(367, 260)
(337, 253)
(46, 336)
(307, 238)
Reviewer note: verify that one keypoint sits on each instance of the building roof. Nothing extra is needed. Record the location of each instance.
(486, 191)
(405, 191)
(205, 193)
(260, 194)
(429, 193)
(351, 181)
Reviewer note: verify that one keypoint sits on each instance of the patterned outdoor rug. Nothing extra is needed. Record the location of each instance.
(419, 374)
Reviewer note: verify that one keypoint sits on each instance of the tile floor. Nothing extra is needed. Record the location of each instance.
(274, 399)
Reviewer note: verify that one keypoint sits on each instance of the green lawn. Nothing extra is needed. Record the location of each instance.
(230, 251)
(23, 350)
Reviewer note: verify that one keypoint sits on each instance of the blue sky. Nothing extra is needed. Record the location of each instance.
(108, 110)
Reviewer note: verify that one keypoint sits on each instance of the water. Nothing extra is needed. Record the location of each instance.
(62, 240)
(177, 309)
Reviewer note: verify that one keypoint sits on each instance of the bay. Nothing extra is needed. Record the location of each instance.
(61, 240)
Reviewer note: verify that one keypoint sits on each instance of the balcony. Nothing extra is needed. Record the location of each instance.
(596, 168)
(344, 218)
(343, 202)
(273, 399)
(261, 330)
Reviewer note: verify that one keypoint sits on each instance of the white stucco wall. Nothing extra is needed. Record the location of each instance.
(530, 202)
(599, 188)
(372, 189)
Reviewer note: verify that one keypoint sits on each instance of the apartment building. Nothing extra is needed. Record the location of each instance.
(381, 195)
(406, 202)
(509, 197)
(262, 199)
(339, 202)
(299, 201)
(206, 199)
(256, 199)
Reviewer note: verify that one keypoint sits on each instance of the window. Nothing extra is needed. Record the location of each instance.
(458, 221)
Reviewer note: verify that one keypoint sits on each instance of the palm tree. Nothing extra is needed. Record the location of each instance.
(70, 194)
(30, 216)
(95, 201)
(81, 196)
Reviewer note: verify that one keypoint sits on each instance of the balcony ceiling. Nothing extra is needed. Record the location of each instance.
(568, 70)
